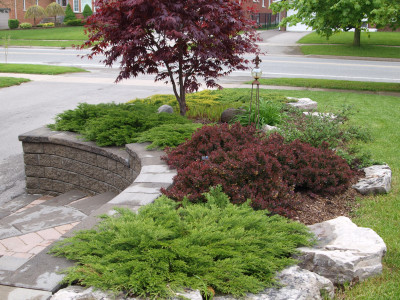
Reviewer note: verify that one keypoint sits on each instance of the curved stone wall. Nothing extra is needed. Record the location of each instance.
(56, 162)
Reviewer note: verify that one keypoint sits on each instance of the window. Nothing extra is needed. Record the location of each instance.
(24, 6)
(37, 2)
(84, 2)
(76, 6)
(263, 3)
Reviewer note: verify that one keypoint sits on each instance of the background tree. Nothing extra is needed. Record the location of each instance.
(87, 11)
(69, 14)
(34, 12)
(54, 10)
(327, 17)
(180, 41)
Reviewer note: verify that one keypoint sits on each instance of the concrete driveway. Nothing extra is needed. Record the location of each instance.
(280, 42)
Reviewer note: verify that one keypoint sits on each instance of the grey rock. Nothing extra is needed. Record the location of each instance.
(228, 114)
(344, 252)
(267, 128)
(82, 293)
(166, 109)
(297, 284)
(303, 103)
(377, 180)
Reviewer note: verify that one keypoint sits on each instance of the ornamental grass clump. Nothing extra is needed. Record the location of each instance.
(249, 165)
(167, 246)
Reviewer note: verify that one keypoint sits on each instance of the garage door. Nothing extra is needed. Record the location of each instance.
(4, 18)
(298, 26)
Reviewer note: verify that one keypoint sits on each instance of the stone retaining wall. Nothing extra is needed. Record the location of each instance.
(56, 162)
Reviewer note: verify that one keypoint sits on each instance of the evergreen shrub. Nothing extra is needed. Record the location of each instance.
(87, 11)
(167, 246)
(69, 14)
(50, 24)
(250, 166)
(13, 23)
(113, 124)
(167, 135)
(25, 25)
(76, 22)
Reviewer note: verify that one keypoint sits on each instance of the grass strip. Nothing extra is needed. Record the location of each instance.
(349, 50)
(10, 81)
(381, 213)
(38, 69)
(332, 84)
(371, 38)
(59, 33)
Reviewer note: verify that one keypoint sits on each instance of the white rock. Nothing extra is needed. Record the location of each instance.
(345, 252)
(297, 284)
(190, 294)
(267, 128)
(81, 293)
(377, 180)
(303, 103)
(165, 108)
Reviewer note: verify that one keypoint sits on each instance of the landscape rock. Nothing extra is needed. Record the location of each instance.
(303, 103)
(165, 108)
(267, 128)
(344, 252)
(75, 292)
(228, 114)
(297, 284)
(377, 180)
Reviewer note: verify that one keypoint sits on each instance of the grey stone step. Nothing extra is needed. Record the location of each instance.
(16, 203)
(66, 198)
(38, 218)
(14, 293)
(88, 205)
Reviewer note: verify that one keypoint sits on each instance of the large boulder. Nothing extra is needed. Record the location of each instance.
(377, 180)
(166, 109)
(344, 252)
(75, 292)
(303, 103)
(228, 114)
(297, 284)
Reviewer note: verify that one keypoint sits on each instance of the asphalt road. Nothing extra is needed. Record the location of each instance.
(34, 104)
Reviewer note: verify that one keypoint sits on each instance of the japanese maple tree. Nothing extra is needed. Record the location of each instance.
(178, 40)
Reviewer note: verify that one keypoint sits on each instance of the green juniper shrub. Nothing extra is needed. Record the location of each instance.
(167, 246)
(87, 11)
(113, 124)
(247, 166)
(76, 22)
(69, 14)
(167, 135)
(13, 23)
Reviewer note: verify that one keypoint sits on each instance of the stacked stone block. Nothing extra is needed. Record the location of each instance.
(56, 162)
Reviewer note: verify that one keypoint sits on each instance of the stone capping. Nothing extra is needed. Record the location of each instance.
(56, 162)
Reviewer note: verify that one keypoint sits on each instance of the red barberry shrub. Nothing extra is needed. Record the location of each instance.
(307, 168)
(249, 166)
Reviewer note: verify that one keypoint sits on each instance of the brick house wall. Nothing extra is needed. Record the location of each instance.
(18, 7)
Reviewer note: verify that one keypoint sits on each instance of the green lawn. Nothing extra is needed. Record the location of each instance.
(349, 50)
(381, 213)
(45, 37)
(372, 38)
(58, 33)
(38, 69)
(10, 81)
(333, 84)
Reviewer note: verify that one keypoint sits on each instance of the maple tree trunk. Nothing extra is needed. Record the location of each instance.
(357, 37)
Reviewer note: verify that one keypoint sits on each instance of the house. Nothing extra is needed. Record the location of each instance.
(17, 8)
(263, 16)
